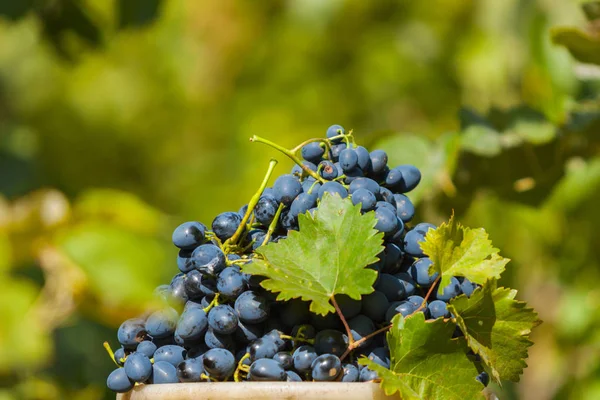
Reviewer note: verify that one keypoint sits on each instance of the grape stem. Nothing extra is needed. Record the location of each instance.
(111, 353)
(288, 153)
(424, 303)
(273, 224)
(348, 330)
(296, 149)
(240, 367)
(213, 303)
(252, 203)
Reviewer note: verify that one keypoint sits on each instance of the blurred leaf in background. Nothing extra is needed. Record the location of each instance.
(121, 119)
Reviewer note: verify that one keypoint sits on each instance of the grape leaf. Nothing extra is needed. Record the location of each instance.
(327, 256)
(496, 327)
(426, 363)
(456, 250)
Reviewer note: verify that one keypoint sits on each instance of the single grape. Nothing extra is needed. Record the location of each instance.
(163, 293)
(184, 261)
(348, 159)
(419, 271)
(231, 282)
(198, 284)
(298, 171)
(387, 221)
(225, 224)
(246, 333)
(330, 341)
(387, 195)
(386, 205)
(333, 188)
(412, 241)
(293, 377)
(365, 183)
(310, 185)
(328, 170)
(285, 359)
(192, 324)
(326, 367)
(350, 307)
(251, 307)
(410, 286)
(219, 363)
(209, 259)
(302, 204)
(336, 149)
(131, 332)
(381, 356)
(214, 340)
(138, 367)
(313, 151)
(367, 375)
(364, 159)
(335, 130)
(361, 326)
(391, 287)
(256, 237)
(467, 287)
(365, 198)
(266, 369)
(303, 358)
(415, 300)
(393, 178)
(379, 159)
(405, 210)
(222, 319)
(119, 354)
(449, 291)
(288, 221)
(164, 372)
(484, 378)
(399, 307)
(351, 373)
(162, 323)
(264, 347)
(437, 309)
(352, 175)
(265, 209)
(423, 227)
(189, 235)
(190, 370)
(411, 176)
(393, 258)
(118, 381)
(170, 353)
(178, 294)
(147, 348)
(375, 305)
(286, 188)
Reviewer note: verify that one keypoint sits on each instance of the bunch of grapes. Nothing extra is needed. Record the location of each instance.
(219, 324)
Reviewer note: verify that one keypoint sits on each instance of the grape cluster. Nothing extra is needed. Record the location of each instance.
(219, 324)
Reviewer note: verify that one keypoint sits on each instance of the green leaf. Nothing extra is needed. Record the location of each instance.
(456, 250)
(327, 256)
(426, 363)
(581, 45)
(481, 140)
(496, 327)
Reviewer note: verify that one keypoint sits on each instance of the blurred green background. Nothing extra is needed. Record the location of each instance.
(119, 119)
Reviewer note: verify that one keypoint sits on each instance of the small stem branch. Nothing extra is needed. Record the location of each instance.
(364, 339)
(236, 374)
(288, 153)
(253, 202)
(339, 312)
(296, 149)
(424, 303)
(213, 303)
(273, 224)
(111, 353)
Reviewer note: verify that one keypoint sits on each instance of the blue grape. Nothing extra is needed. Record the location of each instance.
(138, 367)
(336, 149)
(351, 373)
(367, 375)
(189, 235)
(184, 261)
(178, 294)
(147, 348)
(360, 327)
(405, 308)
(410, 286)
(242, 211)
(170, 353)
(365, 198)
(467, 287)
(405, 210)
(302, 204)
(449, 291)
(313, 152)
(350, 307)
(209, 259)
(214, 340)
(131, 332)
(419, 271)
(330, 341)
(162, 323)
(298, 171)
(415, 300)
(381, 356)
(163, 293)
(365, 183)
(424, 227)
(118, 381)
(326, 367)
(293, 377)
(286, 188)
(190, 370)
(386, 205)
(348, 159)
(246, 333)
(264, 347)
(164, 372)
(288, 221)
(379, 159)
(387, 195)
(225, 224)
(387, 221)
(411, 176)
(119, 354)
(437, 309)
(335, 130)
(391, 287)
(275, 336)
(303, 358)
(484, 378)
(266, 369)
(364, 159)
(265, 209)
(353, 174)
(219, 363)
(192, 324)
(198, 285)
(285, 359)
(333, 188)
(328, 170)
(309, 185)
(412, 241)
(393, 178)
(231, 282)
(256, 237)
(222, 319)
(251, 307)
(393, 257)
(374, 306)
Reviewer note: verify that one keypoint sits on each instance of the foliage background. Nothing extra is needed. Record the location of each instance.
(119, 119)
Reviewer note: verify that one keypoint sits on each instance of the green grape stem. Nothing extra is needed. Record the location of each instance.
(111, 353)
(288, 153)
(240, 367)
(273, 224)
(213, 303)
